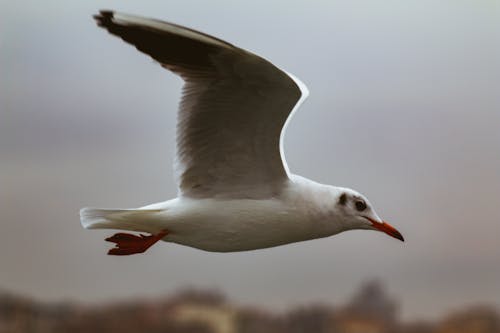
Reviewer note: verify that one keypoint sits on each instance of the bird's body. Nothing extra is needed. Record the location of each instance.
(235, 190)
(225, 225)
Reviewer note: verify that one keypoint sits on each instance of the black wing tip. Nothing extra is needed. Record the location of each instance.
(104, 17)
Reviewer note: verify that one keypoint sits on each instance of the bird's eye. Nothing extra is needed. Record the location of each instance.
(360, 205)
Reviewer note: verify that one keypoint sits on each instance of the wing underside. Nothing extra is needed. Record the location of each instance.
(233, 108)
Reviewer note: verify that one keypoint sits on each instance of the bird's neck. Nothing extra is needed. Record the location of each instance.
(319, 202)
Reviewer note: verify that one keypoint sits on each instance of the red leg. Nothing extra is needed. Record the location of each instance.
(126, 244)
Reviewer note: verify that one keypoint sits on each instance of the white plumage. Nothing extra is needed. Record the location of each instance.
(235, 190)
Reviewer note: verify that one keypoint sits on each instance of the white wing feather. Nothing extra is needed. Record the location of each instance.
(233, 110)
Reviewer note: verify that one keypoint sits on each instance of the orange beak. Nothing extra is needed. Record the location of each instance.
(386, 228)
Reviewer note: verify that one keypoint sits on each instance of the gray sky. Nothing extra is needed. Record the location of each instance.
(404, 107)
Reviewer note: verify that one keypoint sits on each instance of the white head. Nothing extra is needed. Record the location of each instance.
(356, 212)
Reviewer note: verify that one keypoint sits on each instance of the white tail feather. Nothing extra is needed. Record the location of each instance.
(124, 219)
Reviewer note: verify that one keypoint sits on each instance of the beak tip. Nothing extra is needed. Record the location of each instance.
(388, 229)
(391, 231)
(396, 234)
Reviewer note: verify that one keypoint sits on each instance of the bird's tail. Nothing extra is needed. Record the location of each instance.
(123, 219)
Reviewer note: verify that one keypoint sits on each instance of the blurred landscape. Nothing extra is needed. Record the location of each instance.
(370, 310)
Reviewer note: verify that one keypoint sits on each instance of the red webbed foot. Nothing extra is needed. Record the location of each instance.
(126, 244)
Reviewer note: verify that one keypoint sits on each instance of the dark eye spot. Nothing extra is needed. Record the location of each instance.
(360, 205)
(343, 199)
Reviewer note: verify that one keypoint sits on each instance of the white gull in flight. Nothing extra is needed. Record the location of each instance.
(235, 190)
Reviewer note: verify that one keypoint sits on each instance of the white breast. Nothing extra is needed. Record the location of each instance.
(244, 224)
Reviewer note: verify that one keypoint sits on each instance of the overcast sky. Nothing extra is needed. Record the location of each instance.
(404, 107)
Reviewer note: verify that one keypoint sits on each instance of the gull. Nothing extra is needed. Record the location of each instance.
(235, 190)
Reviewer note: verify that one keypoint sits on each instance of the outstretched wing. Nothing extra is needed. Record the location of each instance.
(232, 113)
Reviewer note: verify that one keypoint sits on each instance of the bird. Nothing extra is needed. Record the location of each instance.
(235, 190)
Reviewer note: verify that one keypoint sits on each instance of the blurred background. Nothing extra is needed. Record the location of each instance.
(404, 107)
